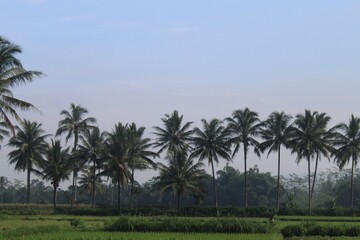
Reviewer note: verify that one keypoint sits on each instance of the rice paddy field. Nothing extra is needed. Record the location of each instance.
(56, 227)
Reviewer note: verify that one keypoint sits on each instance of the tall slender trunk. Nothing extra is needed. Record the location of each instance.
(54, 197)
(72, 189)
(173, 200)
(119, 192)
(94, 185)
(28, 185)
(315, 171)
(178, 200)
(352, 184)
(112, 186)
(214, 184)
(278, 182)
(75, 186)
(214, 188)
(132, 187)
(309, 185)
(245, 172)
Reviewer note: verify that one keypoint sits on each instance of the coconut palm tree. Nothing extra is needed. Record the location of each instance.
(244, 126)
(91, 148)
(212, 143)
(174, 136)
(140, 156)
(307, 133)
(117, 149)
(55, 166)
(12, 74)
(91, 183)
(29, 144)
(74, 123)
(347, 141)
(276, 133)
(323, 147)
(181, 175)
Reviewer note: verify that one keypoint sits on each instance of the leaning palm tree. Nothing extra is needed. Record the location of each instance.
(347, 139)
(244, 126)
(181, 176)
(307, 133)
(174, 136)
(276, 133)
(74, 123)
(29, 144)
(140, 156)
(12, 74)
(116, 150)
(91, 148)
(212, 143)
(55, 166)
(323, 147)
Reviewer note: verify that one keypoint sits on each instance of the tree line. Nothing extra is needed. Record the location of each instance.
(116, 154)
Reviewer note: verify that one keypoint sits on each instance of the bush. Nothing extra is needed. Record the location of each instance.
(313, 229)
(173, 224)
(77, 223)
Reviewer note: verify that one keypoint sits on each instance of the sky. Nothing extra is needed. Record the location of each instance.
(135, 61)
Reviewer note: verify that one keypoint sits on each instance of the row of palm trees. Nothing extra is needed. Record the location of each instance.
(118, 153)
(307, 136)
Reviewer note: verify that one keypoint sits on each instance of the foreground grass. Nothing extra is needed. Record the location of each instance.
(81, 235)
(56, 227)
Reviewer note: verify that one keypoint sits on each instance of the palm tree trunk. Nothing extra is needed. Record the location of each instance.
(75, 186)
(28, 186)
(315, 171)
(352, 183)
(119, 192)
(178, 201)
(132, 187)
(72, 189)
(94, 185)
(278, 183)
(54, 197)
(309, 185)
(214, 184)
(245, 172)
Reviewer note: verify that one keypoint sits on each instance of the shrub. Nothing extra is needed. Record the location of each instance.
(174, 224)
(77, 223)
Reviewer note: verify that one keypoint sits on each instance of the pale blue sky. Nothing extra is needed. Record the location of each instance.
(134, 61)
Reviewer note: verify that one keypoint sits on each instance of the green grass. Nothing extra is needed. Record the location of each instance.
(80, 235)
(56, 227)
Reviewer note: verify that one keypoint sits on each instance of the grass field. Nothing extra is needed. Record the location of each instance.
(56, 227)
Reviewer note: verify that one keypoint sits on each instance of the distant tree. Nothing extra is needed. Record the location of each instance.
(91, 149)
(307, 133)
(347, 141)
(4, 183)
(12, 74)
(55, 166)
(140, 155)
(244, 126)
(74, 123)
(181, 175)
(87, 182)
(116, 149)
(276, 133)
(29, 144)
(174, 136)
(212, 143)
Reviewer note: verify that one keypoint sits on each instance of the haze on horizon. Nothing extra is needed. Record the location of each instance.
(134, 61)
